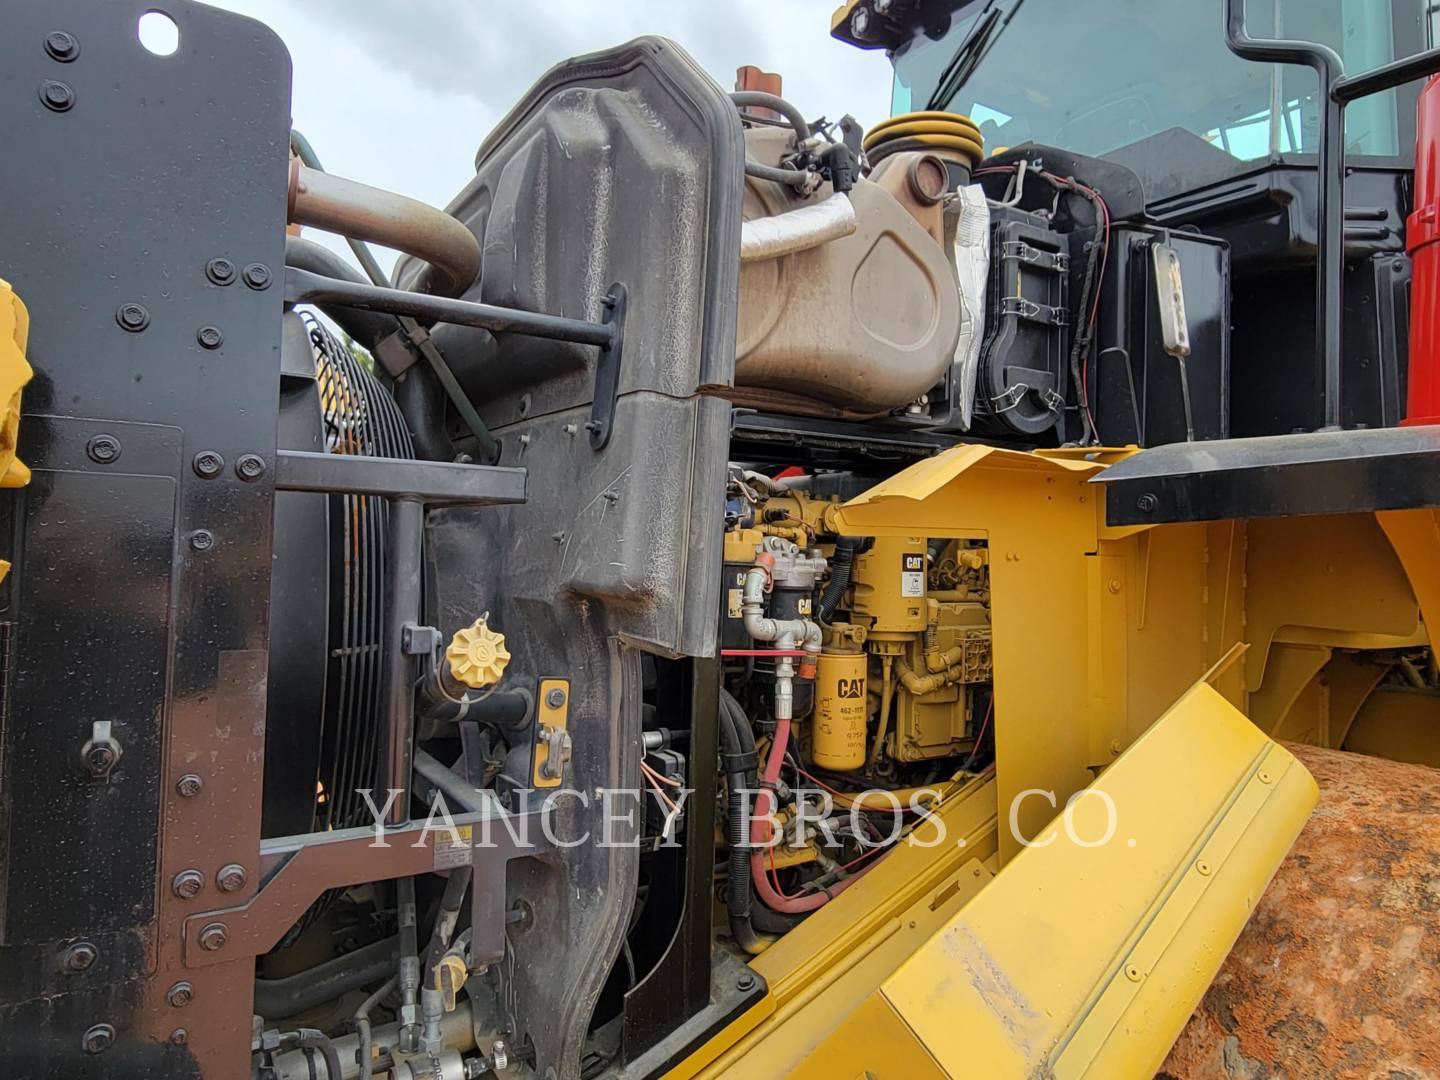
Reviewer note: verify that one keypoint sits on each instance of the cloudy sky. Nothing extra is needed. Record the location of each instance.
(400, 93)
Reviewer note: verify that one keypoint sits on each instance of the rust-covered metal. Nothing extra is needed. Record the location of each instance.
(1338, 972)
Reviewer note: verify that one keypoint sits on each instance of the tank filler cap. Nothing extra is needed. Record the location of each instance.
(477, 655)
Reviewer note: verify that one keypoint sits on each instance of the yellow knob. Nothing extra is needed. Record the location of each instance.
(477, 655)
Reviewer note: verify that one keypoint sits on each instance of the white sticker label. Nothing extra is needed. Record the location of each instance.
(912, 575)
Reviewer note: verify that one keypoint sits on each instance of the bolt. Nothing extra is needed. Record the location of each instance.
(249, 467)
(188, 786)
(62, 46)
(187, 884)
(179, 1037)
(745, 983)
(859, 22)
(79, 957)
(103, 449)
(570, 429)
(555, 698)
(593, 425)
(221, 271)
(257, 276)
(1147, 503)
(209, 337)
(132, 317)
(214, 937)
(230, 878)
(180, 995)
(202, 540)
(208, 464)
(98, 1039)
(57, 96)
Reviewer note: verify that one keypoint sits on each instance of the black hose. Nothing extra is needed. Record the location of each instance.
(311, 1039)
(309, 989)
(758, 99)
(362, 1026)
(421, 401)
(366, 327)
(738, 744)
(792, 177)
(841, 567)
(450, 900)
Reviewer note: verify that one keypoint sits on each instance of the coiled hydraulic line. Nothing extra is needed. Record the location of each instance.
(947, 134)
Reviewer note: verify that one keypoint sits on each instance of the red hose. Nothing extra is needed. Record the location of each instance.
(1423, 244)
(760, 839)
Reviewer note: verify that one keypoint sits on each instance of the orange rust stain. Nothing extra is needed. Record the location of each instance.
(1338, 972)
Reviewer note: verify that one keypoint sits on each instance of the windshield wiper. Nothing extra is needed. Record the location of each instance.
(970, 52)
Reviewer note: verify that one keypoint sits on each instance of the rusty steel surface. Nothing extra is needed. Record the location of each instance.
(1338, 972)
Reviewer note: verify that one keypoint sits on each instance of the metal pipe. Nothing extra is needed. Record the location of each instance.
(305, 288)
(359, 211)
(457, 792)
(1330, 195)
(457, 1030)
(405, 539)
(366, 327)
(1387, 77)
(798, 230)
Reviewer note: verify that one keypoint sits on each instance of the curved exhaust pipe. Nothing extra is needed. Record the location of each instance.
(361, 212)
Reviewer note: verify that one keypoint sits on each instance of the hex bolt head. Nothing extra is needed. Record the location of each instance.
(79, 957)
(56, 95)
(745, 983)
(103, 449)
(188, 786)
(209, 337)
(555, 698)
(62, 46)
(132, 317)
(180, 995)
(1147, 503)
(97, 1039)
(179, 1037)
(213, 937)
(221, 271)
(256, 275)
(230, 878)
(208, 464)
(187, 884)
(202, 540)
(249, 467)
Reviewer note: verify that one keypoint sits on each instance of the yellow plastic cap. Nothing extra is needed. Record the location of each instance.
(477, 655)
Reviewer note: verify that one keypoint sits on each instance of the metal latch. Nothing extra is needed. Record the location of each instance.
(1023, 308)
(551, 756)
(1019, 251)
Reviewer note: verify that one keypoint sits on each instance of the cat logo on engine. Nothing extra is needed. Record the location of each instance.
(850, 688)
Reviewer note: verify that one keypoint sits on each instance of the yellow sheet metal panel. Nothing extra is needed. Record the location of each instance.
(823, 970)
(1084, 960)
(15, 372)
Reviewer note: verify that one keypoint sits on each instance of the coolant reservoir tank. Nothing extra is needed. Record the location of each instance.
(864, 324)
(838, 735)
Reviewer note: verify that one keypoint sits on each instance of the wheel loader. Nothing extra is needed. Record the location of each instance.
(742, 595)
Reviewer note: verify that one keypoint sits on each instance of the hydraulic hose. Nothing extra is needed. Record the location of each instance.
(456, 886)
(738, 743)
(311, 1039)
(760, 837)
(305, 990)
(758, 99)
(841, 567)
(948, 134)
(362, 1025)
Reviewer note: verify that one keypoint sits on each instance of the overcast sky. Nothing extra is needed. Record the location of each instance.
(400, 93)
